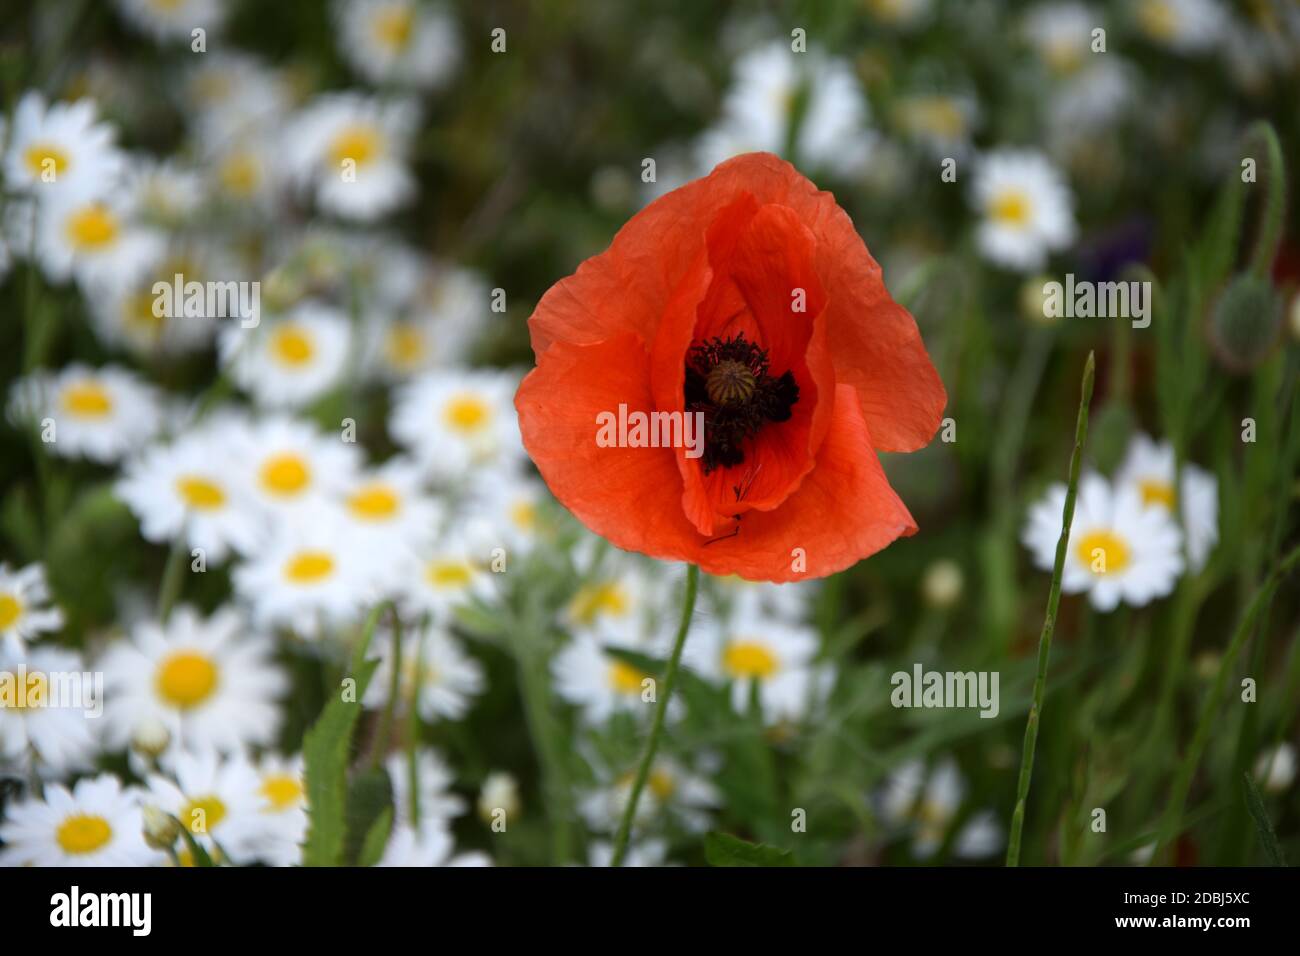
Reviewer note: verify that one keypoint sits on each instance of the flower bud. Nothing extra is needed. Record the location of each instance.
(1245, 321)
(150, 739)
(942, 584)
(500, 792)
(160, 828)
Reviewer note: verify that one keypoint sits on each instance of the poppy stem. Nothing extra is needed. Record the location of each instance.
(661, 708)
(1049, 622)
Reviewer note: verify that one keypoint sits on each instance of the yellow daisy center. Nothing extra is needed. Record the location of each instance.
(285, 474)
(35, 694)
(43, 156)
(87, 399)
(83, 833)
(593, 600)
(393, 27)
(938, 115)
(1103, 552)
(308, 567)
(443, 574)
(744, 659)
(524, 515)
(186, 679)
(625, 678)
(1010, 207)
(282, 791)
(661, 783)
(137, 310)
(375, 503)
(92, 227)
(11, 609)
(1157, 492)
(1159, 19)
(199, 493)
(359, 142)
(291, 345)
(404, 346)
(467, 413)
(239, 174)
(202, 814)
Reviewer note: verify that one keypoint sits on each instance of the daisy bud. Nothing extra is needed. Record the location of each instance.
(1275, 769)
(500, 792)
(1244, 323)
(942, 584)
(150, 739)
(160, 829)
(1033, 299)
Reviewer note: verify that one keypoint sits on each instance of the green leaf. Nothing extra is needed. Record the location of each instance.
(369, 797)
(372, 848)
(326, 750)
(1263, 826)
(198, 853)
(723, 849)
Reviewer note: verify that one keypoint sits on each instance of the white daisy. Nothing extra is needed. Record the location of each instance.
(96, 823)
(293, 467)
(753, 650)
(172, 19)
(58, 148)
(235, 99)
(1061, 34)
(437, 578)
(398, 41)
(281, 788)
(127, 311)
(444, 316)
(499, 794)
(929, 804)
(289, 361)
(1149, 467)
(37, 720)
(788, 602)
(247, 171)
(1275, 768)
(1026, 206)
(1186, 26)
(164, 191)
(212, 684)
(313, 575)
(1119, 548)
(25, 613)
(349, 151)
(642, 853)
(588, 676)
(192, 490)
(93, 239)
(458, 422)
(447, 677)
(760, 106)
(389, 507)
(436, 803)
(217, 799)
(941, 122)
(509, 509)
(671, 790)
(429, 845)
(619, 602)
(101, 413)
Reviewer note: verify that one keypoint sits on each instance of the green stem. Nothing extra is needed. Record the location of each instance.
(380, 745)
(661, 709)
(1270, 226)
(173, 578)
(1183, 781)
(535, 690)
(1049, 622)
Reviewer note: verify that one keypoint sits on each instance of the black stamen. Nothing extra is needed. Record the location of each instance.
(729, 381)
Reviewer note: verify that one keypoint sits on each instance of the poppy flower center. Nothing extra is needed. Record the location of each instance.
(730, 381)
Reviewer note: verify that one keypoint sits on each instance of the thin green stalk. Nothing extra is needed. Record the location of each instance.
(380, 745)
(413, 731)
(1187, 769)
(172, 579)
(661, 708)
(1049, 622)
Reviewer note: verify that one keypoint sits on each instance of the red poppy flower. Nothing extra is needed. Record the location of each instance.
(745, 298)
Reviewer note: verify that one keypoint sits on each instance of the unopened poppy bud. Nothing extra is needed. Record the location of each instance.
(1245, 321)
(160, 828)
(1033, 301)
